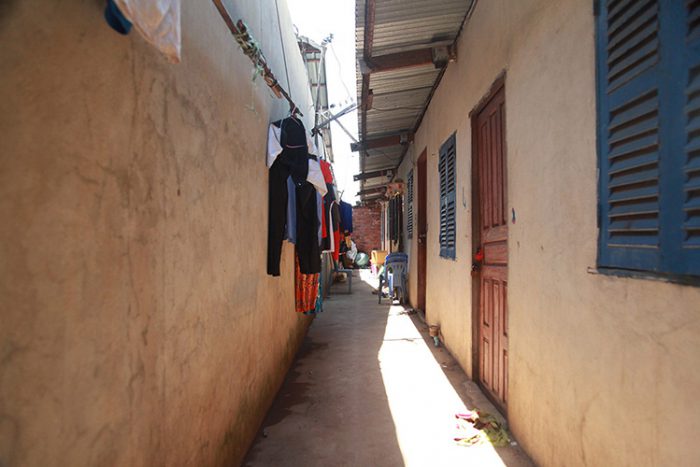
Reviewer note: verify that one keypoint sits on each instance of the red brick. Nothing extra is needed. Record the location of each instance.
(366, 227)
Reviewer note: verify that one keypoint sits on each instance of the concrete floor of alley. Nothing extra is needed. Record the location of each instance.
(368, 388)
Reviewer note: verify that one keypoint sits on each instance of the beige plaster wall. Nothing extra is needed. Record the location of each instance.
(137, 323)
(603, 370)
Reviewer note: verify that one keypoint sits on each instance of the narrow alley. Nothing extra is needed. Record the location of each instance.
(183, 182)
(368, 387)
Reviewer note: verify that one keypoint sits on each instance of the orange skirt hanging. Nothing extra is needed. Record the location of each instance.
(305, 289)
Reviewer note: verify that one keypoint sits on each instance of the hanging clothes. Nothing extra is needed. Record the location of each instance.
(288, 157)
(116, 19)
(327, 170)
(288, 138)
(294, 203)
(158, 21)
(328, 201)
(319, 214)
(345, 217)
(335, 210)
(315, 175)
(290, 233)
(324, 224)
(319, 299)
(308, 248)
(331, 204)
(291, 229)
(306, 288)
(328, 242)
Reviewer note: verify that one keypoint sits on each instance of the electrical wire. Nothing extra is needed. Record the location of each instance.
(354, 140)
(340, 73)
(284, 53)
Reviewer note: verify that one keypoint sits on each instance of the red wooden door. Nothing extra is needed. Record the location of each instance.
(422, 229)
(491, 237)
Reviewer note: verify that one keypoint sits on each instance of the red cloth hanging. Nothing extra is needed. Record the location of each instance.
(305, 289)
(327, 171)
(336, 250)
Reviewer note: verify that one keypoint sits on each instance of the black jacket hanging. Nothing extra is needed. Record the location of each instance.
(293, 161)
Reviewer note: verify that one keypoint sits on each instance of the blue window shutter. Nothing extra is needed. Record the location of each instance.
(447, 171)
(443, 198)
(648, 65)
(450, 201)
(689, 258)
(628, 134)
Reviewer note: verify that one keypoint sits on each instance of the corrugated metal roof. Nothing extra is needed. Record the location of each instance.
(401, 95)
(410, 24)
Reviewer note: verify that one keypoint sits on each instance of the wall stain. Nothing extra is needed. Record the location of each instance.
(7, 9)
(11, 350)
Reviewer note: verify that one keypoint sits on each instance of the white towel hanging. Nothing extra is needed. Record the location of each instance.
(158, 21)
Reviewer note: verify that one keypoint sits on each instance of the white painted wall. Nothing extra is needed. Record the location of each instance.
(603, 370)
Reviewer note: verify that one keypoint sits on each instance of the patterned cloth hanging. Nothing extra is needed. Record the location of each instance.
(306, 289)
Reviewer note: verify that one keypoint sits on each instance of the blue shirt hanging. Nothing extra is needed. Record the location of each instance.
(345, 217)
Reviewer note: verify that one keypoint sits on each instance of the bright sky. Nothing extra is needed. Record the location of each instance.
(316, 19)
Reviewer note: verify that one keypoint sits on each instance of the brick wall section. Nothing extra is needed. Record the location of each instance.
(366, 227)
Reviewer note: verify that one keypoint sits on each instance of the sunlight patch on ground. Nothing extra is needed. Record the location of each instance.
(368, 278)
(422, 401)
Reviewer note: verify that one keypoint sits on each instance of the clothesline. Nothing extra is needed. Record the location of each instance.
(253, 51)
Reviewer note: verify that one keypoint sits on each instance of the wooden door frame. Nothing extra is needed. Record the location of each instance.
(497, 86)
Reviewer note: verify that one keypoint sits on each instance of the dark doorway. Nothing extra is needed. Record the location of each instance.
(422, 228)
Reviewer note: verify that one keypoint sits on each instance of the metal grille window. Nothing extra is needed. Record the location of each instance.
(447, 171)
(648, 66)
(409, 205)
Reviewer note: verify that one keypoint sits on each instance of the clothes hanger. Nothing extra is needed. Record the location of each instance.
(293, 110)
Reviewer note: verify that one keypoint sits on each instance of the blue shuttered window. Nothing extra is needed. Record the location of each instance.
(648, 65)
(409, 205)
(447, 171)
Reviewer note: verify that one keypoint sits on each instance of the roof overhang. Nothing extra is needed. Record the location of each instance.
(403, 49)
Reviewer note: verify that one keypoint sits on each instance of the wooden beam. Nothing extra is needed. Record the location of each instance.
(437, 56)
(369, 100)
(384, 141)
(364, 97)
(375, 174)
(375, 189)
(398, 60)
(370, 8)
(377, 197)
